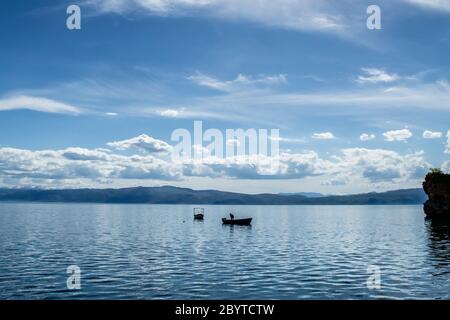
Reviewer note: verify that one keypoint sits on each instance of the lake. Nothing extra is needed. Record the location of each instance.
(160, 252)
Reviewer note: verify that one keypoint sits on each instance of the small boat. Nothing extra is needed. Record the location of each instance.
(198, 216)
(238, 222)
(199, 213)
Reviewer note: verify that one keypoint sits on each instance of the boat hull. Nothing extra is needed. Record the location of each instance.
(198, 216)
(238, 222)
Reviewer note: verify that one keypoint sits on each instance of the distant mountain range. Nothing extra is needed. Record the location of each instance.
(175, 195)
(306, 194)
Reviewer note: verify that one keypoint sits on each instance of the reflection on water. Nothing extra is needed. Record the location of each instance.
(160, 252)
(439, 246)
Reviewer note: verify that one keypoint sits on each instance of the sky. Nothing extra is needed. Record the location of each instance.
(358, 110)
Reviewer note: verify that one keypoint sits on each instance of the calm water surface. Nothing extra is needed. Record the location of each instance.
(159, 252)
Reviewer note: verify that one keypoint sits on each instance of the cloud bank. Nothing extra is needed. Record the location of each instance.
(75, 166)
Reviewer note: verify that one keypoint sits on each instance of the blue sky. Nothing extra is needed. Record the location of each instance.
(358, 110)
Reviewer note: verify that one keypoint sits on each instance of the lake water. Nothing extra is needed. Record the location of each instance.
(160, 252)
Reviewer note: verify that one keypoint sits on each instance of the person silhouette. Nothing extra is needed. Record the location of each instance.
(232, 216)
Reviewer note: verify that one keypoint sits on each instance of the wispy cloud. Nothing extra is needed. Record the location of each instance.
(323, 136)
(304, 15)
(37, 104)
(260, 99)
(426, 96)
(374, 75)
(440, 5)
(160, 7)
(266, 103)
(239, 83)
(288, 140)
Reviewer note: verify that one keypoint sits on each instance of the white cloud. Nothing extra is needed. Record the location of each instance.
(160, 7)
(447, 148)
(169, 113)
(431, 135)
(143, 143)
(80, 163)
(37, 104)
(446, 167)
(336, 181)
(440, 5)
(378, 165)
(398, 135)
(240, 82)
(76, 153)
(323, 136)
(373, 75)
(85, 167)
(233, 142)
(305, 15)
(288, 140)
(366, 137)
(264, 104)
(247, 104)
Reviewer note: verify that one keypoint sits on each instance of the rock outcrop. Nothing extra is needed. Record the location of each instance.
(437, 187)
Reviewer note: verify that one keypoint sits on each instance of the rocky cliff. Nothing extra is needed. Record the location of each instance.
(437, 187)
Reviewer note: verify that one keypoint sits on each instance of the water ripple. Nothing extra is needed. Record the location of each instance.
(159, 252)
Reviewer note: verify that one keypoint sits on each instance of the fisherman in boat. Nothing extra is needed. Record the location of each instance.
(232, 216)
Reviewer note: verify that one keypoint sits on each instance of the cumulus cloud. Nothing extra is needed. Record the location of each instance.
(240, 82)
(397, 135)
(383, 165)
(37, 104)
(366, 137)
(446, 167)
(144, 143)
(336, 181)
(85, 154)
(80, 163)
(447, 148)
(323, 136)
(97, 165)
(290, 166)
(374, 75)
(431, 135)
